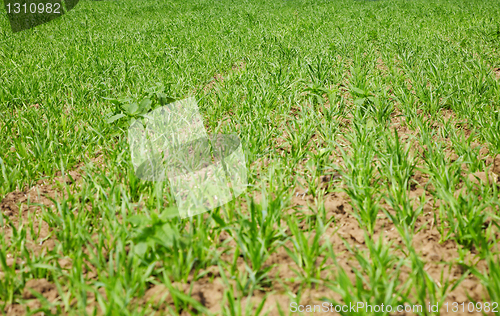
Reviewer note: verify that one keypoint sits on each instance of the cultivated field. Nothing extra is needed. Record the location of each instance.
(371, 131)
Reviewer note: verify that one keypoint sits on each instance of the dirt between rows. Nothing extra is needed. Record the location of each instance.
(345, 228)
(426, 241)
(24, 207)
(343, 233)
(209, 290)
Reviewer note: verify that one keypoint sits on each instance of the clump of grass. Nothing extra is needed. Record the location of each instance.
(360, 176)
(398, 166)
(313, 92)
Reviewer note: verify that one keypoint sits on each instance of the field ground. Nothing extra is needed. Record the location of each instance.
(372, 134)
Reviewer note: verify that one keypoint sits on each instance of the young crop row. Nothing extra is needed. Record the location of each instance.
(370, 128)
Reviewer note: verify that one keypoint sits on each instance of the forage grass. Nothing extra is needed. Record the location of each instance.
(362, 182)
(306, 252)
(310, 88)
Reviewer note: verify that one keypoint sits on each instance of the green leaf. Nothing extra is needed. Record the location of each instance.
(358, 91)
(119, 100)
(164, 99)
(141, 248)
(370, 123)
(115, 134)
(43, 266)
(145, 106)
(124, 99)
(130, 108)
(115, 118)
(218, 220)
(164, 235)
(113, 100)
(138, 220)
(170, 212)
(360, 101)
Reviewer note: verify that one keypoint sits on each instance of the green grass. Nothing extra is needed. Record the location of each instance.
(304, 89)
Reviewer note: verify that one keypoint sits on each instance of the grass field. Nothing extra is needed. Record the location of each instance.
(371, 131)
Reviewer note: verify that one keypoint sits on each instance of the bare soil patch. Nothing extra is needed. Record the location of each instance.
(496, 71)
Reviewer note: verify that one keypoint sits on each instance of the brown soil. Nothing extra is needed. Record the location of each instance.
(24, 207)
(209, 290)
(436, 254)
(219, 77)
(343, 233)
